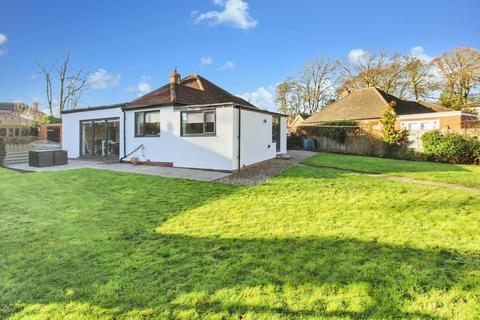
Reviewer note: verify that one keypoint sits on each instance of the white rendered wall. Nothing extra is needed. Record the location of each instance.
(256, 137)
(205, 152)
(71, 128)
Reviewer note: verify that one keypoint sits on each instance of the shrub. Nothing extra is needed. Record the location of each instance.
(336, 130)
(451, 147)
(431, 141)
(47, 119)
(391, 135)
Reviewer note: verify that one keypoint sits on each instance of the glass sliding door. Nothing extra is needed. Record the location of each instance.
(113, 138)
(100, 138)
(86, 138)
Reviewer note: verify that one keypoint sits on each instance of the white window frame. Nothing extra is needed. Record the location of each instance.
(405, 125)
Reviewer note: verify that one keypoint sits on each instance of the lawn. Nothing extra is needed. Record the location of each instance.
(309, 244)
(467, 175)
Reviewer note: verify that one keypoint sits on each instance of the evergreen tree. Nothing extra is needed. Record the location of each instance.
(390, 134)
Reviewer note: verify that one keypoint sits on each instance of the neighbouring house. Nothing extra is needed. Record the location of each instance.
(14, 126)
(16, 119)
(367, 106)
(296, 121)
(188, 122)
(21, 109)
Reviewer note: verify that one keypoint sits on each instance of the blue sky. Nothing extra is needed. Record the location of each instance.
(244, 46)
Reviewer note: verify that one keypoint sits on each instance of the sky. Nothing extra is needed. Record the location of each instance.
(245, 46)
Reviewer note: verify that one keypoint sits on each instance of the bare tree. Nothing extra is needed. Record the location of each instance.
(460, 70)
(70, 85)
(375, 69)
(317, 83)
(310, 90)
(420, 80)
(47, 77)
(364, 71)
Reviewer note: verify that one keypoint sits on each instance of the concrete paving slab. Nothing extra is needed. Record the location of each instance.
(193, 174)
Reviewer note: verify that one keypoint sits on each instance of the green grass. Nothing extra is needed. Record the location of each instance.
(309, 244)
(467, 175)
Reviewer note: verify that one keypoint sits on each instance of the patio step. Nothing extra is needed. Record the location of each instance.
(15, 157)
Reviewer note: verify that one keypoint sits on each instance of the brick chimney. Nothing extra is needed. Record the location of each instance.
(345, 93)
(174, 76)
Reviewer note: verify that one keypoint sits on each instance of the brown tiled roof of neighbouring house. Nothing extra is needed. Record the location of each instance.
(369, 103)
(435, 107)
(192, 90)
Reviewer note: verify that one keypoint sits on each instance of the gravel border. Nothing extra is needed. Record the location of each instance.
(258, 173)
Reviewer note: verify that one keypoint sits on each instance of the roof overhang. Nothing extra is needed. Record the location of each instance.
(177, 107)
(224, 105)
(307, 122)
(112, 106)
(435, 115)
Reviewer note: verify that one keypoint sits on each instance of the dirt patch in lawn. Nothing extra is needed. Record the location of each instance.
(260, 172)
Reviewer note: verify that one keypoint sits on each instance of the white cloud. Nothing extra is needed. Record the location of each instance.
(3, 42)
(228, 65)
(32, 76)
(419, 53)
(234, 13)
(142, 88)
(262, 97)
(101, 79)
(205, 61)
(3, 38)
(145, 78)
(355, 55)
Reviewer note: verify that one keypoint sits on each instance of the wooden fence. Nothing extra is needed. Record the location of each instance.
(366, 144)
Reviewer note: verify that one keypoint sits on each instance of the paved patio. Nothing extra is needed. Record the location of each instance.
(192, 174)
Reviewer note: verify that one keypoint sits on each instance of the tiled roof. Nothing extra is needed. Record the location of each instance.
(192, 90)
(435, 107)
(369, 103)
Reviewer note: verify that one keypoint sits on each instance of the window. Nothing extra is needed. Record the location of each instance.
(147, 124)
(276, 132)
(197, 123)
(420, 125)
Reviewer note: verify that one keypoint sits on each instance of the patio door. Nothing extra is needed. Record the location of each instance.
(276, 132)
(100, 138)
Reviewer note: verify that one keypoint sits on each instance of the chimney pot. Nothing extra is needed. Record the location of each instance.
(345, 93)
(174, 76)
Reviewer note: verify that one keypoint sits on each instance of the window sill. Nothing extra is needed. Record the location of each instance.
(148, 136)
(199, 135)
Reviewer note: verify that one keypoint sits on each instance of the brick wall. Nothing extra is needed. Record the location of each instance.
(451, 122)
(43, 131)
